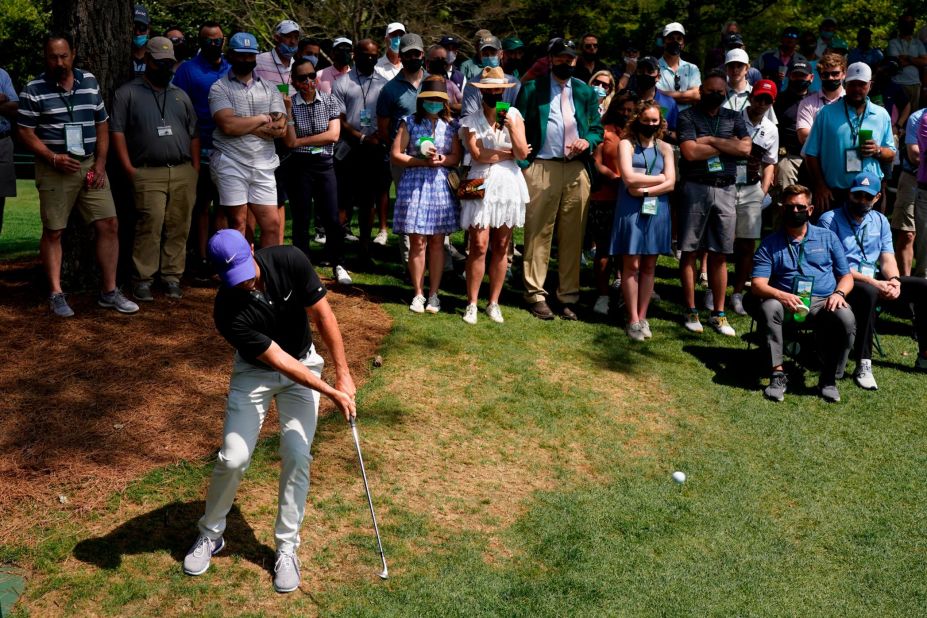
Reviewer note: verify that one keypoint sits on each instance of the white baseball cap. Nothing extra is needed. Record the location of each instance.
(674, 27)
(736, 55)
(393, 27)
(286, 26)
(858, 72)
(342, 41)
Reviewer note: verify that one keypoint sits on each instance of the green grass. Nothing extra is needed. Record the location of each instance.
(799, 508)
(22, 226)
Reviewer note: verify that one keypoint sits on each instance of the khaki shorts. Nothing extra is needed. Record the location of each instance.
(749, 207)
(60, 193)
(903, 211)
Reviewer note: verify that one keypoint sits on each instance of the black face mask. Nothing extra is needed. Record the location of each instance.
(209, 50)
(647, 130)
(796, 219)
(590, 56)
(491, 98)
(160, 76)
(645, 83)
(858, 209)
(243, 67)
(343, 57)
(673, 48)
(799, 85)
(562, 71)
(365, 65)
(830, 85)
(412, 65)
(59, 73)
(437, 67)
(906, 29)
(712, 100)
(180, 49)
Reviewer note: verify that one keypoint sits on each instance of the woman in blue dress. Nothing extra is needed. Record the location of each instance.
(642, 228)
(426, 209)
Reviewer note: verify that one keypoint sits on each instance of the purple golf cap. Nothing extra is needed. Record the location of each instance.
(230, 253)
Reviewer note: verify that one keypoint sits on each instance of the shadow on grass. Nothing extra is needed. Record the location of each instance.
(171, 528)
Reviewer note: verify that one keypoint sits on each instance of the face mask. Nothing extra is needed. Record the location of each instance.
(394, 43)
(412, 65)
(437, 67)
(659, 41)
(796, 219)
(139, 40)
(451, 57)
(600, 92)
(906, 29)
(859, 208)
(364, 64)
(590, 56)
(180, 49)
(629, 60)
(343, 57)
(827, 35)
(490, 99)
(160, 77)
(433, 107)
(243, 67)
(491, 61)
(286, 50)
(59, 73)
(830, 85)
(647, 130)
(673, 48)
(312, 58)
(562, 71)
(211, 48)
(799, 85)
(712, 100)
(645, 82)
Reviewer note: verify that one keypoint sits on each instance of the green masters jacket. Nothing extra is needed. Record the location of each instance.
(534, 105)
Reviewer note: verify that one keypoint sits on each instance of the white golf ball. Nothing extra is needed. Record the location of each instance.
(679, 477)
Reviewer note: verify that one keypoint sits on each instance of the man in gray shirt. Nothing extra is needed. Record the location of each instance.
(154, 135)
(249, 114)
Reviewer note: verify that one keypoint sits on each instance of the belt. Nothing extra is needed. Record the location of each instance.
(713, 182)
(172, 164)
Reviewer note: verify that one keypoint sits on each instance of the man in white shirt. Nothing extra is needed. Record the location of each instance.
(390, 64)
(911, 53)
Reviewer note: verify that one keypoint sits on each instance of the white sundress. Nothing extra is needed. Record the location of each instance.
(506, 192)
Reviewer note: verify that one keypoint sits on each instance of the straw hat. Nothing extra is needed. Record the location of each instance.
(433, 88)
(492, 77)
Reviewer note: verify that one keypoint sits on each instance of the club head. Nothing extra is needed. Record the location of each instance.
(384, 574)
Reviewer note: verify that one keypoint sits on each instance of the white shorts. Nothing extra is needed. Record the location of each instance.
(240, 184)
(749, 208)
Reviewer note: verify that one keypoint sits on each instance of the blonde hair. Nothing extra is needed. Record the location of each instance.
(608, 97)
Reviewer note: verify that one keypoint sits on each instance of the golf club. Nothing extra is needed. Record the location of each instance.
(360, 458)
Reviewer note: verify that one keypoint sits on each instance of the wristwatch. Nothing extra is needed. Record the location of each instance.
(840, 292)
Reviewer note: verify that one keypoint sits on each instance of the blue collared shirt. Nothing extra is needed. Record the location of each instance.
(867, 239)
(396, 101)
(910, 137)
(823, 258)
(831, 137)
(689, 77)
(6, 87)
(552, 148)
(195, 77)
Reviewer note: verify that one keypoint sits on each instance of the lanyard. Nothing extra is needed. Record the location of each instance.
(283, 80)
(742, 105)
(163, 106)
(859, 235)
(801, 253)
(69, 102)
(364, 93)
(649, 166)
(854, 129)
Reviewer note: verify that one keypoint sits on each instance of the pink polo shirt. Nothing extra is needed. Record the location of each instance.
(327, 77)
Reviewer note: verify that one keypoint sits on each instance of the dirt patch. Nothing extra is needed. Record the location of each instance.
(95, 401)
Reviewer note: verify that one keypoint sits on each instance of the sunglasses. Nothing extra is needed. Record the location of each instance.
(591, 45)
(305, 77)
(605, 85)
(677, 84)
(830, 74)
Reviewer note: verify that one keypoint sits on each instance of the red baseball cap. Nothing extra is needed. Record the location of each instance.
(765, 86)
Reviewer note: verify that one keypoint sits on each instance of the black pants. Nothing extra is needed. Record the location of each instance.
(363, 175)
(311, 182)
(863, 300)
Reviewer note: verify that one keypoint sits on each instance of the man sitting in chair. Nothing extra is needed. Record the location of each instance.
(867, 240)
(800, 271)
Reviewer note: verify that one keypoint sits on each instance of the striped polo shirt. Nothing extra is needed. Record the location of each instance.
(45, 107)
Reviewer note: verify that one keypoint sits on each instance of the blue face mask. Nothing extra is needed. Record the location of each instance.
(139, 40)
(394, 43)
(491, 61)
(433, 107)
(286, 50)
(313, 59)
(600, 92)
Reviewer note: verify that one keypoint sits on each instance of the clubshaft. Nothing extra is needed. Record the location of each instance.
(360, 459)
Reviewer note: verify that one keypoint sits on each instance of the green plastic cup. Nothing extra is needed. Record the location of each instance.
(865, 135)
(285, 88)
(502, 108)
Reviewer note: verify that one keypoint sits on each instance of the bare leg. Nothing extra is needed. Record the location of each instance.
(717, 278)
(602, 271)
(107, 231)
(687, 277)
(417, 244)
(648, 267)
(904, 251)
(629, 285)
(476, 262)
(383, 207)
(269, 222)
(281, 214)
(743, 251)
(435, 262)
(237, 218)
(499, 262)
(50, 251)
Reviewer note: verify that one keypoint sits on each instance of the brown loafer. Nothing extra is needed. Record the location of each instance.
(567, 312)
(541, 311)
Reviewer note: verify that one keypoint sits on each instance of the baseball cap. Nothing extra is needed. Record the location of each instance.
(733, 40)
(160, 48)
(342, 41)
(800, 67)
(510, 43)
(791, 32)
(674, 27)
(243, 43)
(140, 15)
(858, 72)
(838, 43)
(395, 27)
(736, 55)
(230, 253)
(411, 41)
(448, 41)
(286, 26)
(866, 182)
(491, 42)
(765, 86)
(560, 47)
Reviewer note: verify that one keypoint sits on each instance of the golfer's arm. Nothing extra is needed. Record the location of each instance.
(279, 360)
(326, 324)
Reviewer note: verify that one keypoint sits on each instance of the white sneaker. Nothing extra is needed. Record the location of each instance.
(494, 313)
(434, 305)
(720, 324)
(418, 304)
(709, 300)
(703, 278)
(737, 304)
(320, 238)
(342, 276)
(645, 328)
(349, 237)
(469, 315)
(635, 332)
(863, 377)
(380, 238)
(692, 322)
(601, 305)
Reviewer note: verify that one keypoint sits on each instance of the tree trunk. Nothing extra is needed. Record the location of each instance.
(102, 31)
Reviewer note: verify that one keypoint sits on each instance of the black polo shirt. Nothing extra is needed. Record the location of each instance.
(251, 320)
(694, 123)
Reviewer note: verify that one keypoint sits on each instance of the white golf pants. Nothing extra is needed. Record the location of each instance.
(250, 392)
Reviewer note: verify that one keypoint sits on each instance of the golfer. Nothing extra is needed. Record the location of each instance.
(261, 309)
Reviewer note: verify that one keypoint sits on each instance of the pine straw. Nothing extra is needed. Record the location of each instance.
(96, 401)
